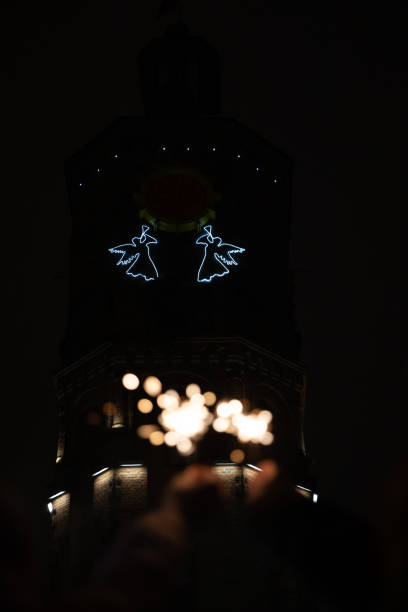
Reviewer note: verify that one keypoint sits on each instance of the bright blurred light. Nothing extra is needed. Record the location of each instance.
(130, 381)
(237, 455)
(223, 410)
(171, 438)
(161, 400)
(251, 428)
(145, 405)
(50, 507)
(235, 406)
(210, 398)
(144, 431)
(267, 438)
(315, 498)
(265, 415)
(197, 399)
(221, 424)
(109, 408)
(185, 421)
(167, 401)
(192, 390)
(156, 438)
(152, 386)
(185, 446)
(173, 393)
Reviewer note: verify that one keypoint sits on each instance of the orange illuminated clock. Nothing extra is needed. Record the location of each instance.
(177, 199)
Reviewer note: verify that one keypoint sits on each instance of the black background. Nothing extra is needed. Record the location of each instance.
(329, 90)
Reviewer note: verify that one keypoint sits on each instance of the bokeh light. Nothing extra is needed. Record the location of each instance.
(192, 389)
(186, 420)
(267, 438)
(171, 438)
(223, 410)
(265, 415)
(145, 405)
(166, 400)
(152, 386)
(185, 446)
(237, 455)
(250, 428)
(130, 381)
(235, 406)
(221, 424)
(109, 408)
(156, 438)
(144, 431)
(210, 398)
(173, 393)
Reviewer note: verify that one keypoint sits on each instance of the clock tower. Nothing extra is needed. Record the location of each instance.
(179, 252)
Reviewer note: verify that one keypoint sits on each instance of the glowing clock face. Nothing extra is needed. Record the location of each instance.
(176, 198)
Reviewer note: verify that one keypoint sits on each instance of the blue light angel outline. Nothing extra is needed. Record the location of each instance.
(137, 254)
(217, 256)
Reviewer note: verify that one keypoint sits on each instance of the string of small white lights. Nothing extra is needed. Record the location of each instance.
(164, 148)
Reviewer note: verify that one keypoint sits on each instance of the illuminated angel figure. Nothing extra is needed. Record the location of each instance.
(217, 256)
(137, 254)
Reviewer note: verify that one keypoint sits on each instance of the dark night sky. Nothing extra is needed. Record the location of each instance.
(331, 91)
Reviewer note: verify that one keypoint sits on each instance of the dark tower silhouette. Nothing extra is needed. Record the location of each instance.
(179, 76)
(148, 195)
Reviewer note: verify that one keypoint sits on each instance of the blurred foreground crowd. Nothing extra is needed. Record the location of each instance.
(280, 552)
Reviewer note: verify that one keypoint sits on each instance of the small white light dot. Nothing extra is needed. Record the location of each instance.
(163, 148)
(187, 148)
(81, 184)
(213, 149)
(257, 169)
(98, 170)
(275, 180)
(238, 155)
(115, 155)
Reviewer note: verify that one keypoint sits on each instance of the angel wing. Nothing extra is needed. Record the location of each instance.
(129, 253)
(224, 253)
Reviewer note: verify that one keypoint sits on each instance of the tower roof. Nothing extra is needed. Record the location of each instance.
(179, 75)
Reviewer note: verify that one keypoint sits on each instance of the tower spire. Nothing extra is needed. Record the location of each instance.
(170, 7)
(179, 73)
